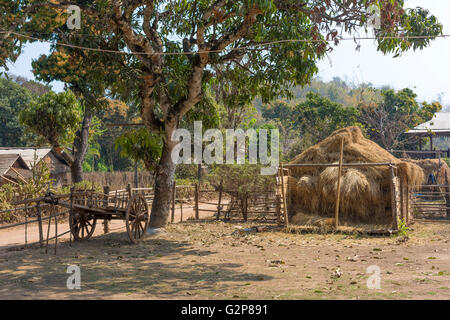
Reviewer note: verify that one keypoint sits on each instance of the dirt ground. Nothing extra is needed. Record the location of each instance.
(216, 260)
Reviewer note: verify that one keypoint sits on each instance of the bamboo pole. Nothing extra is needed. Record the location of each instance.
(284, 197)
(394, 200)
(338, 191)
(39, 217)
(196, 196)
(219, 204)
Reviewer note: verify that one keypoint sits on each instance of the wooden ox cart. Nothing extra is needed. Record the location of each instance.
(88, 206)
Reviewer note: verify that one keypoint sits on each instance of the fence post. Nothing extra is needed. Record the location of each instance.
(338, 191)
(447, 196)
(219, 205)
(278, 208)
(70, 216)
(393, 182)
(284, 197)
(174, 190)
(129, 191)
(181, 210)
(105, 204)
(39, 217)
(196, 197)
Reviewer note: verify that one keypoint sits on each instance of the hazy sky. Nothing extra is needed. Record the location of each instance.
(426, 71)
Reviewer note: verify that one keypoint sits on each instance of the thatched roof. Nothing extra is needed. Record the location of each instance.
(357, 149)
(365, 191)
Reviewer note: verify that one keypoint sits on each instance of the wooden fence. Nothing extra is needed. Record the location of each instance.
(36, 211)
(431, 201)
(221, 203)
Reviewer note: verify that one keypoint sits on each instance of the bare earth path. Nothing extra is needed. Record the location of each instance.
(195, 260)
(16, 236)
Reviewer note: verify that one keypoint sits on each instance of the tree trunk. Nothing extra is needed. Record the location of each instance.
(81, 145)
(165, 174)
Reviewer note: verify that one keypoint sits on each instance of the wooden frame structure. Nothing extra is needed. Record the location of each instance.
(400, 199)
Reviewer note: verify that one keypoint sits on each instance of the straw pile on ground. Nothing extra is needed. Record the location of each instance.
(365, 191)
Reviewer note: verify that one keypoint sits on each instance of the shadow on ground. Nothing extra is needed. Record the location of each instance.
(111, 266)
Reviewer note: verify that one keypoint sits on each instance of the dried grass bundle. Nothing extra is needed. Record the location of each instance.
(365, 191)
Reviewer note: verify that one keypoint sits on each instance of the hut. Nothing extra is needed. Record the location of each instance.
(13, 169)
(369, 194)
(58, 162)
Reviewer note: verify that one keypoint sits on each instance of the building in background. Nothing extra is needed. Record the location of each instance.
(57, 162)
(13, 169)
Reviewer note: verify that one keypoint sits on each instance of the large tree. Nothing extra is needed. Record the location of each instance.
(200, 35)
(387, 121)
(13, 99)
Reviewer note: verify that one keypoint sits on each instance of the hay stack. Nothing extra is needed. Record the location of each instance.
(431, 166)
(365, 190)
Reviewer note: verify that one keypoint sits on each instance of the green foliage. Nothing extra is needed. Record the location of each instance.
(243, 180)
(35, 187)
(82, 185)
(319, 116)
(54, 116)
(140, 144)
(387, 120)
(186, 173)
(403, 229)
(309, 122)
(13, 99)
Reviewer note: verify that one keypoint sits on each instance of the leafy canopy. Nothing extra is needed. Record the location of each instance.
(54, 116)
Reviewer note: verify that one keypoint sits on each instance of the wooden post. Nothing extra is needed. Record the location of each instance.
(56, 230)
(70, 215)
(26, 227)
(278, 208)
(136, 174)
(286, 222)
(338, 191)
(129, 191)
(105, 205)
(181, 210)
(174, 190)
(199, 174)
(402, 196)
(409, 215)
(447, 196)
(394, 198)
(196, 196)
(219, 205)
(39, 217)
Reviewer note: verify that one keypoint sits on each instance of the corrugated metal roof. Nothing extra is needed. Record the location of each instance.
(439, 124)
(27, 154)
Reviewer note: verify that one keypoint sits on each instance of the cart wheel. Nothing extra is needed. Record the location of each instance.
(137, 218)
(82, 225)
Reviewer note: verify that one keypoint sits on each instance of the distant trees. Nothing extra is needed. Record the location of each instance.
(387, 121)
(384, 114)
(309, 121)
(13, 98)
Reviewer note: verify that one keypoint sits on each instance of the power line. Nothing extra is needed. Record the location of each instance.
(252, 46)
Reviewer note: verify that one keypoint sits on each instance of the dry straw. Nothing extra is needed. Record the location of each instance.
(365, 191)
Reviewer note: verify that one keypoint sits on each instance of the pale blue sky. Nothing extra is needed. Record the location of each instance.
(427, 72)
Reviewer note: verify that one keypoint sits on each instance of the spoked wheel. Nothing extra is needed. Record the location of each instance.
(137, 218)
(82, 225)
